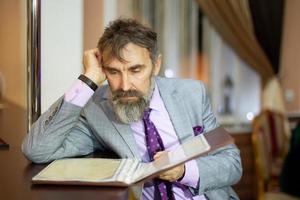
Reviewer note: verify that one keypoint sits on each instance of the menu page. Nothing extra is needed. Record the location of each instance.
(123, 172)
(86, 169)
(187, 151)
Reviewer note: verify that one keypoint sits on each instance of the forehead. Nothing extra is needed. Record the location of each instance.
(132, 55)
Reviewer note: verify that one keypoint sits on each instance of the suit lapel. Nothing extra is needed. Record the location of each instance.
(123, 130)
(177, 111)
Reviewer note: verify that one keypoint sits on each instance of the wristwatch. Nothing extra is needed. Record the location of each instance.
(88, 81)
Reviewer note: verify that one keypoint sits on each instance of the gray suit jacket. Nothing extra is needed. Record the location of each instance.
(66, 130)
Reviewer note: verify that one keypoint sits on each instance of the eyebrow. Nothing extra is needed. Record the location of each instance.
(106, 67)
(137, 66)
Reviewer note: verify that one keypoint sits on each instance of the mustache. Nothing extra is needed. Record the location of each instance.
(121, 93)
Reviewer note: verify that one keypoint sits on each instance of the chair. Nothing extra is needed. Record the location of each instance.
(270, 145)
(276, 139)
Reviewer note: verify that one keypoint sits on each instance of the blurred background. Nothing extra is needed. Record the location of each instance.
(246, 52)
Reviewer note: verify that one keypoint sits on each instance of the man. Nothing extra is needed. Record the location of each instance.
(137, 115)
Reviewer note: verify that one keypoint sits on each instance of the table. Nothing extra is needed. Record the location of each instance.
(16, 172)
(293, 117)
(15, 182)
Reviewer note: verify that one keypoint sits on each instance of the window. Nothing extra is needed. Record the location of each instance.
(233, 86)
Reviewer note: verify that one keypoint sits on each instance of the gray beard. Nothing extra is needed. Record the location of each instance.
(129, 112)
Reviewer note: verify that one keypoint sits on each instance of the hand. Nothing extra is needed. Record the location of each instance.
(173, 174)
(92, 66)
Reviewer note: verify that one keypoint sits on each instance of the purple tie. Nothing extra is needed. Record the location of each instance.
(163, 189)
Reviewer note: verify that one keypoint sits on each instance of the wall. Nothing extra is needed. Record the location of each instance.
(78, 25)
(93, 23)
(290, 55)
(225, 66)
(61, 47)
(13, 50)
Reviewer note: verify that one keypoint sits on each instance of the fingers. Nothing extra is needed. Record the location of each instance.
(92, 58)
(159, 154)
(92, 66)
(173, 174)
(95, 51)
(169, 178)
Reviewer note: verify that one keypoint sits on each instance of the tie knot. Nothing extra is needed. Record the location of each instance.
(147, 114)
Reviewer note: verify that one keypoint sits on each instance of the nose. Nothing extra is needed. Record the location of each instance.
(125, 84)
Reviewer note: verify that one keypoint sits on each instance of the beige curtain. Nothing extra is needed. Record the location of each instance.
(272, 99)
(232, 20)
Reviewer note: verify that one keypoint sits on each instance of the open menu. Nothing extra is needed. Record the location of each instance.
(124, 172)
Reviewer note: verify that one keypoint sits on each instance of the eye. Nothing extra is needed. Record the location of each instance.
(112, 71)
(136, 70)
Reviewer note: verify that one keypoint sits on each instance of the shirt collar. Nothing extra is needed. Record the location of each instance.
(156, 102)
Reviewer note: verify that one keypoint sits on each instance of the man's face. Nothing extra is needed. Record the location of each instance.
(131, 81)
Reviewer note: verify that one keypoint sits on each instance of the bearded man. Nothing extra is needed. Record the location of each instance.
(137, 115)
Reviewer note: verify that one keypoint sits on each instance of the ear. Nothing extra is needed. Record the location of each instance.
(157, 65)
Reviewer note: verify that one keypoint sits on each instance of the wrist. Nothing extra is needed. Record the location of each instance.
(88, 82)
(97, 78)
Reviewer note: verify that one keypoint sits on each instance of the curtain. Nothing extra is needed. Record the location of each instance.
(220, 63)
(267, 17)
(232, 19)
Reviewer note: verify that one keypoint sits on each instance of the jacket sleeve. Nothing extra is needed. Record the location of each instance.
(60, 132)
(221, 168)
